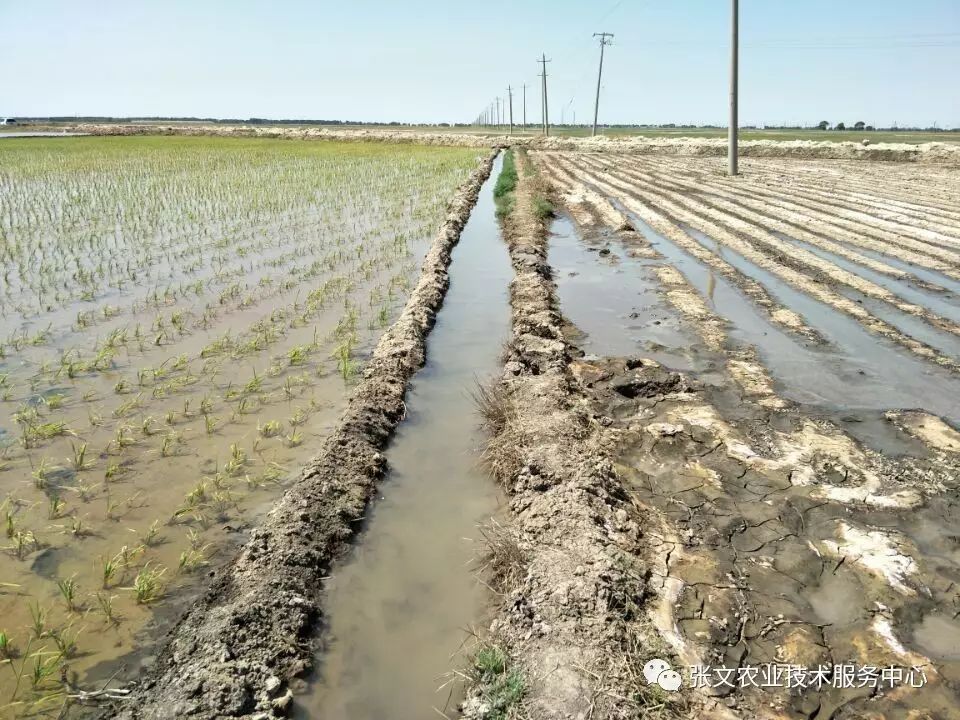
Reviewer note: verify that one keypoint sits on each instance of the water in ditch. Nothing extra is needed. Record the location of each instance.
(399, 607)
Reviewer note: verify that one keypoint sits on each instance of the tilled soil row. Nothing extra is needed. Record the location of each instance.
(573, 591)
(234, 652)
(639, 197)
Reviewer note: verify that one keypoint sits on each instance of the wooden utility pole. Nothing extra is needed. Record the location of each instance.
(732, 150)
(524, 106)
(546, 114)
(605, 39)
(510, 97)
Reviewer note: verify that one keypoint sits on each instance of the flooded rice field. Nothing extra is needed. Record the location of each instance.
(181, 320)
(778, 357)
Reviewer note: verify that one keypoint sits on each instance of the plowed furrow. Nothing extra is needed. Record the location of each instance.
(644, 200)
(771, 247)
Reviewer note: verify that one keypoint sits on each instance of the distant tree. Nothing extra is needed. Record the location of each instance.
(823, 125)
(840, 126)
(871, 128)
(859, 125)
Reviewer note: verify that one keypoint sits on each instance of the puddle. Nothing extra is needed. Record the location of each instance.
(939, 636)
(399, 606)
(941, 304)
(614, 300)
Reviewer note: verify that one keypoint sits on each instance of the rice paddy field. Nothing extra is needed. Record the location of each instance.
(181, 320)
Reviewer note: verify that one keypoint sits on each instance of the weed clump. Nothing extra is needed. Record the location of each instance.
(501, 687)
(503, 190)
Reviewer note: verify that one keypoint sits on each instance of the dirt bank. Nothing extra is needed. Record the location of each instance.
(235, 650)
(945, 153)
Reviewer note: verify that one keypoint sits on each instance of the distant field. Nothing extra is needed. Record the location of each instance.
(901, 136)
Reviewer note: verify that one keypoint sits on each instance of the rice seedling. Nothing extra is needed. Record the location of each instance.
(6, 646)
(108, 571)
(79, 461)
(345, 364)
(42, 472)
(192, 559)
(171, 441)
(55, 506)
(66, 642)
(152, 536)
(105, 603)
(38, 620)
(68, 591)
(45, 664)
(294, 439)
(23, 541)
(54, 401)
(148, 585)
(298, 355)
(271, 428)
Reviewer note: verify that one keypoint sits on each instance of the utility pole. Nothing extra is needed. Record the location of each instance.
(734, 81)
(546, 113)
(524, 106)
(498, 112)
(510, 96)
(605, 39)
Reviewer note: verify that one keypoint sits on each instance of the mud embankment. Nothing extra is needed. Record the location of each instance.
(234, 652)
(944, 153)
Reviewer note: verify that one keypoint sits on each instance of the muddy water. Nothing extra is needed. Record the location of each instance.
(848, 336)
(858, 370)
(926, 274)
(613, 299)
(943, 304)
(399, 606)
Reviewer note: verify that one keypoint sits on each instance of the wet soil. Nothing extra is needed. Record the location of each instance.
(777, 532)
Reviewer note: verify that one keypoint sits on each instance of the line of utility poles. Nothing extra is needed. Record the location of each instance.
(492, 116)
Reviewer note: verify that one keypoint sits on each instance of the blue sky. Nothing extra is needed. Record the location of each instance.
(880, 61)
